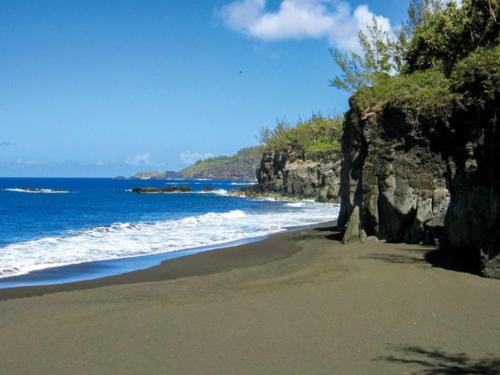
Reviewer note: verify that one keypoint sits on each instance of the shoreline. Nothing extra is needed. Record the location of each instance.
(67, 257)
(176, 267)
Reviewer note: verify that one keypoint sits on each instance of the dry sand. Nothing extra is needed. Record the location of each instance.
(298, 303)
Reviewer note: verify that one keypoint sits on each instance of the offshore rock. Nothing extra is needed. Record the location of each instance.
(162, 190)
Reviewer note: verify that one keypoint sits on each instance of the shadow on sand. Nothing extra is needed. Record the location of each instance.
(331, 233)
(436, 361)
(465, 261)
(396, 258)
(440, 258)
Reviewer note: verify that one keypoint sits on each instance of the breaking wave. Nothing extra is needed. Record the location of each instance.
(36, 191)
(124, 240)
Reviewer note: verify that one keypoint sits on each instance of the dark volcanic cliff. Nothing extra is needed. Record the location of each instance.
(405, 158)
(473, 219)
(313, 175)
(391, 175)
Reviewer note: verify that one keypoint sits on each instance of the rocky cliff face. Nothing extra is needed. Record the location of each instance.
(393, 184)
(429, 175)
(303, 175)
(473, 142)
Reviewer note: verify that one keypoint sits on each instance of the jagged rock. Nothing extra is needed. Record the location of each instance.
(302, 175)
(491, 260)
(354, 232)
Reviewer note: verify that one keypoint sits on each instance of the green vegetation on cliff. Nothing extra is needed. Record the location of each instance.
(449, 35)
(441, 43)
(317, 134)
(242, 165)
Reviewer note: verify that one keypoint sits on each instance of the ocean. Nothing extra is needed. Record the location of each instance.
(81, 229)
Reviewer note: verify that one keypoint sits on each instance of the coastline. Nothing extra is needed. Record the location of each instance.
(298, 302)
(75, 248)
(216, 259)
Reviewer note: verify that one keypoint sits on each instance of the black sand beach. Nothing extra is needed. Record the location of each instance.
(297, 303)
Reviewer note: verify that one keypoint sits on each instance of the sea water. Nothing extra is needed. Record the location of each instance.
(80, 229)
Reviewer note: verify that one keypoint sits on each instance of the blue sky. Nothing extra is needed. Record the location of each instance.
(105, 88)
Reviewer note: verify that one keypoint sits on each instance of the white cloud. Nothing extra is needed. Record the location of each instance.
(139, 159)
(299, 19)
(189, 157)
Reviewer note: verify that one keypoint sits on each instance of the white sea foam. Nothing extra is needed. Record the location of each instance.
(295, 204)
(36, 191)
(243, 183)
(221, 192)
(123, 240)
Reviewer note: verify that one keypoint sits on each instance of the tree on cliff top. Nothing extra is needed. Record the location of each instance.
(376, 58)
(441, 42)
(386, 54)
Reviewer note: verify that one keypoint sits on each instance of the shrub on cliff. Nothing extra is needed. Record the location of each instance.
(476, 79)
(437, 35)
(318, 134)
(421, 90)
(451, 34)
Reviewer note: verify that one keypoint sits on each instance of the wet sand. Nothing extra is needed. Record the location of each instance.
(297, 303)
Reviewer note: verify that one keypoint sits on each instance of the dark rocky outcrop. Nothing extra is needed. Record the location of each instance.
(431, 173)
(162, 190)
(473, 219)
(392, 176)
(301, 175)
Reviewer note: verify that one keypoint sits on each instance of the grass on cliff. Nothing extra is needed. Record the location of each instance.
(427, 89)
(317, 134)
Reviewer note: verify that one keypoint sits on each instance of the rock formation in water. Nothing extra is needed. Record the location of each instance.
(162, 190)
